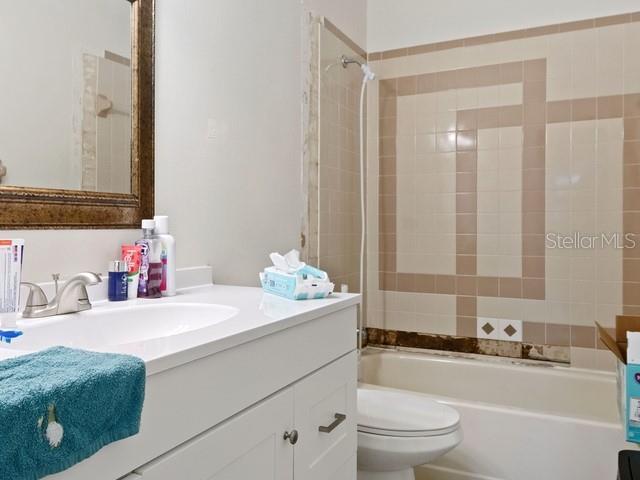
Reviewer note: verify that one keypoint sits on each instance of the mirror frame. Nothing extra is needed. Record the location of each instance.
(44, 208)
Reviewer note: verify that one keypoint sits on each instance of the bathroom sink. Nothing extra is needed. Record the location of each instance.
(102, 328)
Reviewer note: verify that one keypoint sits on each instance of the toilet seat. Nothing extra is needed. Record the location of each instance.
(402, 414)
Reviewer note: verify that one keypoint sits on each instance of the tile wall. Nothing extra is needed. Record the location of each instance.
(484, 155)
(335, 184)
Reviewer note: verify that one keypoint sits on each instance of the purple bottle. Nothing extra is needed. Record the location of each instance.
(151, 262)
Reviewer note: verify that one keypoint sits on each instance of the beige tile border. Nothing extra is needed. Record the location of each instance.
(510, 35)
(533, 332)
(583, 336)
(559, 334)
(631, 204)
(344, 37)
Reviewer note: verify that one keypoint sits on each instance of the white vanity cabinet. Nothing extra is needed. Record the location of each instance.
(317, 415)
(223, 414)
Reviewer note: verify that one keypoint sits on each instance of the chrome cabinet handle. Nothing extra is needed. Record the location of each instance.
(292, 436)
(339, 418)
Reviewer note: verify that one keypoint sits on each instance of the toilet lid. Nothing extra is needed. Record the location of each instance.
(402, 414)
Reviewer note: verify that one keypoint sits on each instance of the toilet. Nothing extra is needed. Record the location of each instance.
(400, 430)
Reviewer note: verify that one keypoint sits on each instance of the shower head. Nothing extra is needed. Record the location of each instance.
(366, 71)
(368, 74)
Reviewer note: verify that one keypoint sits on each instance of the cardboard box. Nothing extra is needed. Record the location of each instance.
(628, 375)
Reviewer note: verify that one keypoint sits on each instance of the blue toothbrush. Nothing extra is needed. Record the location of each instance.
(8, 335)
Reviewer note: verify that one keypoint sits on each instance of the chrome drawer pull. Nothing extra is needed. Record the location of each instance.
(339, 419)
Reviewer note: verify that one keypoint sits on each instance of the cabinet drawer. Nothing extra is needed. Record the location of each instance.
(325, 417)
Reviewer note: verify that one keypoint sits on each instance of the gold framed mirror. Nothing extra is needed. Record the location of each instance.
(104, 102)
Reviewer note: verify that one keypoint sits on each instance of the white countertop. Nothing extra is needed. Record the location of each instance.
(258, 314)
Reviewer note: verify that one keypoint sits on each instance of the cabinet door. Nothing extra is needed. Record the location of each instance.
(325, 417)
(245, 447)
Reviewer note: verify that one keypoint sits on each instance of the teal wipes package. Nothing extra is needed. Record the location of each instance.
(293, 279)
(632, 387)
(633, 403)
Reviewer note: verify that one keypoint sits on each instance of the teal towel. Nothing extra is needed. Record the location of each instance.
(96, 398)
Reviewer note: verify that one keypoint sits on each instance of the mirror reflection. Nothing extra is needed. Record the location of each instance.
(65, 92)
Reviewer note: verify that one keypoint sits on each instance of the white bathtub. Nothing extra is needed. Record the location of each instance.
(520, 422)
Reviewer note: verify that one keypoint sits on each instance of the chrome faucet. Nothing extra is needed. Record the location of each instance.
(71, 298)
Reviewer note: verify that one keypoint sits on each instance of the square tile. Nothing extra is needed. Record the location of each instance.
(466, 326)
(488, 139)
(488, 328)
(510, 330)
(510, 137)
(533, 332)
(558, 334)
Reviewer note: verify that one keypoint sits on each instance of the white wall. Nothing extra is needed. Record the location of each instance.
(234, 198)
(403, 23)
(237, 197)
(350, 16)
(69, 251)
